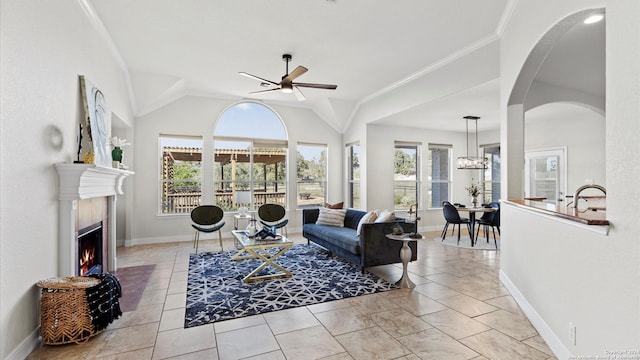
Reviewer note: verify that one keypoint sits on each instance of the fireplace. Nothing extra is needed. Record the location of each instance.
(87, 196)
(90, 257)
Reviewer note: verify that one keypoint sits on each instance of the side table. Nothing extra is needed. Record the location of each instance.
(405, 256)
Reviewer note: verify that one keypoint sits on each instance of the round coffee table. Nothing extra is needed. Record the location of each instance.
(405, 256)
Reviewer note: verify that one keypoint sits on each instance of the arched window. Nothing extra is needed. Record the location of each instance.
(250, 155)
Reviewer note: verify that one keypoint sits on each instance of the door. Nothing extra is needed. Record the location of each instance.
(545, 174)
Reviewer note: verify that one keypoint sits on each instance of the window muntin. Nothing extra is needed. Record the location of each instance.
(250, 157)
(249, 173)
(491, 175)
(353, 161)
(180, 174)
(406, 177)
(311, 167)
(439, 175)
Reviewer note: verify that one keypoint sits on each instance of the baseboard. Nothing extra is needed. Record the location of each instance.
(26, 346)
(549, 336)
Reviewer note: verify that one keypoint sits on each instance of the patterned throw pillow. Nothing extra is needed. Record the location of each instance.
(367, 218)
(331, 217)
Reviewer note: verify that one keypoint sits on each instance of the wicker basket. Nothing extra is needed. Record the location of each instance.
(64, 311)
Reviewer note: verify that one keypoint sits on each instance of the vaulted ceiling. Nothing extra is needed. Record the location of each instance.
(373, 50)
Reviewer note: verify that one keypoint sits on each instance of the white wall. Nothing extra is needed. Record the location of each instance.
(583, 135)
(44, 47)
(563, 273)
(198, 116)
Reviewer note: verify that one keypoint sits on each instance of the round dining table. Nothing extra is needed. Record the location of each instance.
(472, 217)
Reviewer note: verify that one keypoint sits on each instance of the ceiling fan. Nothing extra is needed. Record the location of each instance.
(286, 85)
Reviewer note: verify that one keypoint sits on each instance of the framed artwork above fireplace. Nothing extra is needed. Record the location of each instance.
(97, 124)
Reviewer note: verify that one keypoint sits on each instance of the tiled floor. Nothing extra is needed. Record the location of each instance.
(459, 310)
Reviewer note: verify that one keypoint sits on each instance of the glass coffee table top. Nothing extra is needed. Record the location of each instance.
(253, 248)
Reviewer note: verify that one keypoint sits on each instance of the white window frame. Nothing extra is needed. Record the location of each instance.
(430, 180)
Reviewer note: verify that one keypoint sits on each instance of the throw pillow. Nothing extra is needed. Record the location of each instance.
(339, 205)
(386, 215)
(368, 218)
(331, 217)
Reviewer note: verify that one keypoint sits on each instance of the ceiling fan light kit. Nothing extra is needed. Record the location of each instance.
(286, 85)
(472, 162)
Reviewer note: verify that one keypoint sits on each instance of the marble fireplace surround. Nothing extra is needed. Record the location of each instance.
(79, 182)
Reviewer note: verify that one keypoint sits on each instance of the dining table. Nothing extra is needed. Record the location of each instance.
(472, 217)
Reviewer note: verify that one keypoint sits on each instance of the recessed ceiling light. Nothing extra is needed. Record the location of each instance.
(594, 18)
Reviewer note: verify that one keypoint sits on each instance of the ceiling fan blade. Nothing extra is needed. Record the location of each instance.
(257, 78)
(264, 91)
(295, 73)
(298, 94)
(317, 86)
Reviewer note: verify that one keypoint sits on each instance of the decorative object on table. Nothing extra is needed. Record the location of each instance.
(413, 214)
(267, 233)
(242, 210)
(253, 227)
(474, 191)
(216, 292)
(98, 124)
(472, 162)
(397, 229)
(116, 153)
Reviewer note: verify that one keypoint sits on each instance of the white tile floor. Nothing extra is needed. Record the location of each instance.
(458, 310)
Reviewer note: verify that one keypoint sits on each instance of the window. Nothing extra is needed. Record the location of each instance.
(250, 158)
(406, 179)
(311, 164)
(249, 173)
(491, 175)
(353, 152)
(180, 173)
(439, 174)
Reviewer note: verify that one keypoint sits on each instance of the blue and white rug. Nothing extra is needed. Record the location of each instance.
(216, 292)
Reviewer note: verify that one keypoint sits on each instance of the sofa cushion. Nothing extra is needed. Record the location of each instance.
(331, 217)
(339, 205)
(367, 218)
(385, 215)
(352, 218)
(343, 237)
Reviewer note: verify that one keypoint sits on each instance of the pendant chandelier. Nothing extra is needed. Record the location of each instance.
(472, 162)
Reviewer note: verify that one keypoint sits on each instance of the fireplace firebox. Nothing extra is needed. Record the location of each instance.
(90, 259)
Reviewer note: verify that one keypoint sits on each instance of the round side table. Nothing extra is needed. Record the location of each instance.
(405, 256)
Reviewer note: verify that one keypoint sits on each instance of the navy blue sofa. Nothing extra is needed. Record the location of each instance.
(371, 248)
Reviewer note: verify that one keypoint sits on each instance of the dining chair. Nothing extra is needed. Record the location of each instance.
(273, 215)
(452, 216)
(492, 220)
(446, 224)
(207, 219)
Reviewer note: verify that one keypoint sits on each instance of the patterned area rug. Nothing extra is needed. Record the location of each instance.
(216, 292)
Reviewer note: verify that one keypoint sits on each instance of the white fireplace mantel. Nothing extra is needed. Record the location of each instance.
(79, 182)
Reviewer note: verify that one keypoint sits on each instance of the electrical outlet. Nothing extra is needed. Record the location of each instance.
(572, 333)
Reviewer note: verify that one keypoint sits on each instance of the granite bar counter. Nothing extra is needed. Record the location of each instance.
(588, 216)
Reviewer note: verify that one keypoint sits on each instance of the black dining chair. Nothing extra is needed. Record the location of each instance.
(492, 220)
(207, 219)
(452, 216)
(446, 224)
(273, 215)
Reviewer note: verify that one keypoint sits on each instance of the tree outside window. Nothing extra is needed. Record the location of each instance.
(353, 152)
(311, 165)
(180, 173)
(406, 183)
(439, 174)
